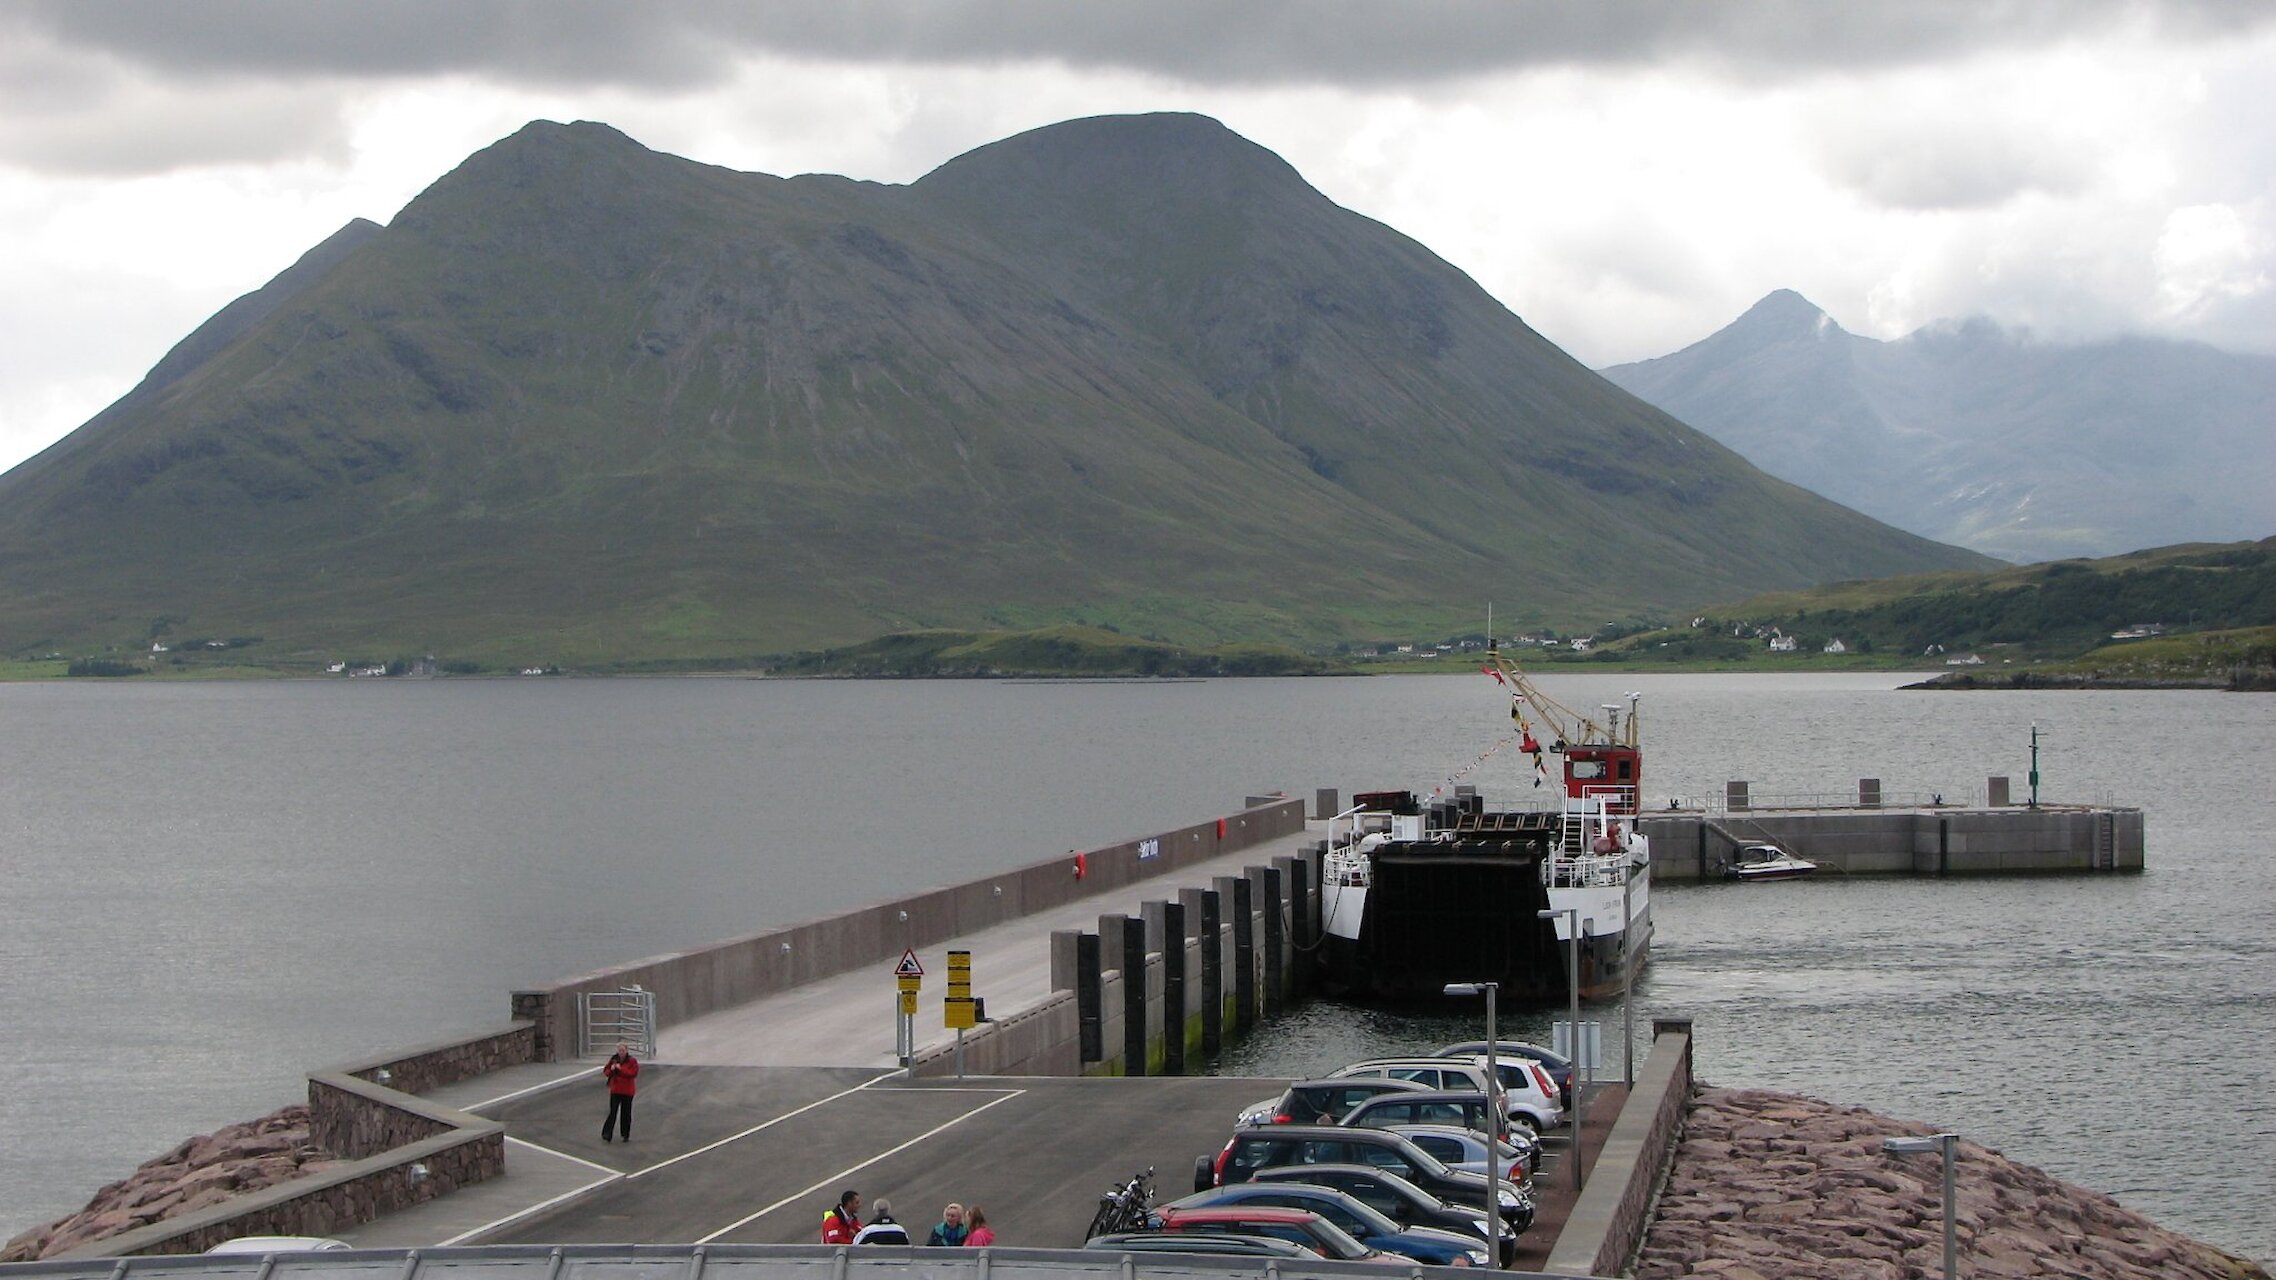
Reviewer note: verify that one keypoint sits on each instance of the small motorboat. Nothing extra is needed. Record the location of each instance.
(1766, 862)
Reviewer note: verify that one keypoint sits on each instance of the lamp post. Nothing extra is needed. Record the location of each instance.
(1497, 1116)
(1942, 1143)
(1572, 917)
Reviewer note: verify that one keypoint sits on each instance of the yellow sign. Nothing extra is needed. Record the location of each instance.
(908, 1000)
(959, 962)
(956, 1014)
(910, 985)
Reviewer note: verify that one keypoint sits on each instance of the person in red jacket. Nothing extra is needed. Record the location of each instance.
(840, 1225)
(622, 1073)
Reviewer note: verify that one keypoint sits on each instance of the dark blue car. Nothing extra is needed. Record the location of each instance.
(1366, 1225)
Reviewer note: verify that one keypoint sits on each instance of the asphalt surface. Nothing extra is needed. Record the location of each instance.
(754, 1155)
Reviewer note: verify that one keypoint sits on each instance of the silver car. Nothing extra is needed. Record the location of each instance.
(1465, 1149)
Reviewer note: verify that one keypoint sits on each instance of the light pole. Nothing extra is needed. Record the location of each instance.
(1628, 970)
(1572, 917)
(1497, 1117)
(1943, 1143)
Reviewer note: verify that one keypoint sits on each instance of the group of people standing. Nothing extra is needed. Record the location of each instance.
(958, 1225)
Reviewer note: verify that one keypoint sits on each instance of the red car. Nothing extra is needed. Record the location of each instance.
(1299, 1226)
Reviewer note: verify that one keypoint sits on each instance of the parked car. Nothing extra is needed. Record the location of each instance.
(1432, 1106)
(1200, 1243)
(281, 1244)
(1434, 1245)
(1531, 1097)
(1296, 1226)
(1464, 1148)
(1401, 1201)
(1559, 1067)
(1320, 1101)
(1271, 1146)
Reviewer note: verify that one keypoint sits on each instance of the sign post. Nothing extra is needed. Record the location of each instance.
(956, 1010)
(908, 977)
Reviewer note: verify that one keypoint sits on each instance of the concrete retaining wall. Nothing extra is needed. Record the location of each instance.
(1607, 1223)
(1927, 842)
(691, 983)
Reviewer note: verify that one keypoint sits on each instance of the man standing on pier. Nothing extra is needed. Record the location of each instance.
(621, 1072)
(842, 1224)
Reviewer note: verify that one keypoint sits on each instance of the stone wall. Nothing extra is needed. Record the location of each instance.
(1615, 1205)
(430, 1067)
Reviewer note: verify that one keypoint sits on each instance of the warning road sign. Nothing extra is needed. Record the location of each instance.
(909, 968)
(908, 1002)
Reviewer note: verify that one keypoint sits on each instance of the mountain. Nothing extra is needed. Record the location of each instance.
(580, 400)
(1972, 434)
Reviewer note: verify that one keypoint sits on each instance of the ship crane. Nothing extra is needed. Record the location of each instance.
(1602, 766)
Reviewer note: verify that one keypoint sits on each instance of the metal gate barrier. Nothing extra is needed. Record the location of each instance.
(606, 1018)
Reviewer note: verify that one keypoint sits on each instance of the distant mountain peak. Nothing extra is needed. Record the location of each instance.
(1783, 311)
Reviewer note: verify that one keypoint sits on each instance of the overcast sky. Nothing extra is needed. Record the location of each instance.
(1627, 176)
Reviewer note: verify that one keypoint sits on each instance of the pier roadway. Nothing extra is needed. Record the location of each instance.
(754, 1155)
(847, 1019)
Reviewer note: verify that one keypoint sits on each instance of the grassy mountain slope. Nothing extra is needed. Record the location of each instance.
(2062, 608)
(584, 401)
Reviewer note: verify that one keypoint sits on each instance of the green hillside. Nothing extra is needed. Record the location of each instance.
(2063, 615)
(581, 403)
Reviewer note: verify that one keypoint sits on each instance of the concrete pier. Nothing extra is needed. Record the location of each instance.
(1929, 840)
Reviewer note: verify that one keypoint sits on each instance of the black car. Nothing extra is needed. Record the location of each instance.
(1398, 1199)
(1270, 1146)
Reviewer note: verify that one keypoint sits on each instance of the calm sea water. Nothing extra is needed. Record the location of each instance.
(212, 889)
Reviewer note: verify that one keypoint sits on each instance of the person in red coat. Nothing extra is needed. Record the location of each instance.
(841, 1224)
(622, 1074)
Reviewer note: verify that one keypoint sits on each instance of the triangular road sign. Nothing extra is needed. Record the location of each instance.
(909, 968)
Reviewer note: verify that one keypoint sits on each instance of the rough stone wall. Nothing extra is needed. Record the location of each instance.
(363, 1121)
(1775, 1185)
(431, 1067)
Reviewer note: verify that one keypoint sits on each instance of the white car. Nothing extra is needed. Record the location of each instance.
(1528, 1091)
(280, 1244)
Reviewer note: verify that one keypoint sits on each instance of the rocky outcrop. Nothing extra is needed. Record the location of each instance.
(1770, 1185)
(202, 1171)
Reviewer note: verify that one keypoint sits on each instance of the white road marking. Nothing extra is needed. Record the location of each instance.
(843, 1174)
(465, 1236)
(524, 1142)
(535, 1088)
(766, 1124)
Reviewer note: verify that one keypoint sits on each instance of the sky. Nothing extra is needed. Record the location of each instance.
(1625, 175)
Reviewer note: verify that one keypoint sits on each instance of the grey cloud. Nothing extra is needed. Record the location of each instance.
(1352, 42)
(1948, 165)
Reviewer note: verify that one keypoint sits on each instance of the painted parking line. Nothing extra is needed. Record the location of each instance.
(851, 1170)
(609, 1176)
(502, 1099)
(757, 1128)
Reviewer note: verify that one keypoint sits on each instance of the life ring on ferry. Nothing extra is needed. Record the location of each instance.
(1082, 865)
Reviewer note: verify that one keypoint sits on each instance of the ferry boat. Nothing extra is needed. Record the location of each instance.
(1417, 892)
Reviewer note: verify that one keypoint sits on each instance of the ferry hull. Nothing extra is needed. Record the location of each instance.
(1454, 913)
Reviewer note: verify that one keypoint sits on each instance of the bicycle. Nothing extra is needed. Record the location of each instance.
(1125, 1208)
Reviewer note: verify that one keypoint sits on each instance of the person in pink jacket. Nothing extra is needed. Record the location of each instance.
(981, 1233)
